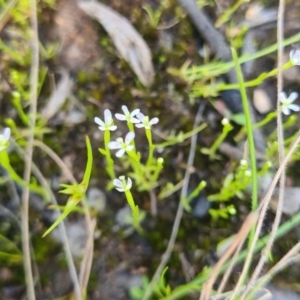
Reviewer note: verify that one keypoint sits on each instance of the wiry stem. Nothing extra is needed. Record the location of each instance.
(34, 77)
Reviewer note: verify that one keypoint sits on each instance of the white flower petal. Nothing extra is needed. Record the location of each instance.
(129, 137)
(285, 110)
(294, 107)
(140, 116)
(139, 125)
(134, 112)
(295, 56)
(120, 189)
(107, 116)
(154, 121)
(114, 145)
(129, 184)
(134, 120)
(112, 127)
(282, 97)
(293, 96)
(6, 133)
(99, 121)
(117, 183)
(120, 153)
(125, 110)
(120, 117)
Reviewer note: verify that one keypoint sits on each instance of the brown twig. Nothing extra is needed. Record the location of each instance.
(263, 209)
(239, 239)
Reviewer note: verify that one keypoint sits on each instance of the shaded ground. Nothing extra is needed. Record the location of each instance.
(103, 81)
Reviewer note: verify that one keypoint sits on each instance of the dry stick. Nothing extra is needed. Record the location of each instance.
(239, 239)
(6, 14)
(284, 261)
(86, 264)
(278, 215)
(179, 213)
(229, 269)
(153, 203)
(263, 208)
(34, 77)
(288, 259)
(71, 265)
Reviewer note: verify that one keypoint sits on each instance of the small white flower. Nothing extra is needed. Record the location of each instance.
(225, 122)
(108, 123)
(295, 57)
(128, 116)
(121, 185)
(244, 163)
(248, 173)
(287, 102)
(4, 138)
(145, 122)
(123, 146)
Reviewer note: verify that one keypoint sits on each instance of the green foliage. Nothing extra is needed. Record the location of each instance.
(5, 163)
(155, 15)
(137, 293)
(202, 78)
(211, 152)
(227, 14)
(9, 254)
(234, 184)
(161, 288)
(76, 191)
(186, 202)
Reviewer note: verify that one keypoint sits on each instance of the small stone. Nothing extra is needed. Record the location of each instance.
(262, 101)
(97, 199)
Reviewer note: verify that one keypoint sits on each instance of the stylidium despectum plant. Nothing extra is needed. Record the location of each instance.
(108, 124)
(128, 116)
(123, 146)
(287, 103)
(123, 185)
(146, 175)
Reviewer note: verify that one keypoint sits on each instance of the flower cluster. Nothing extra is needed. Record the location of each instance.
(135, 117)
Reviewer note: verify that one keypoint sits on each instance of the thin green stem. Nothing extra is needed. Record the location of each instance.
(131, 128)
(212, 151)
(249, 126)
(109, 160)
(151, 147)
(197, 72)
